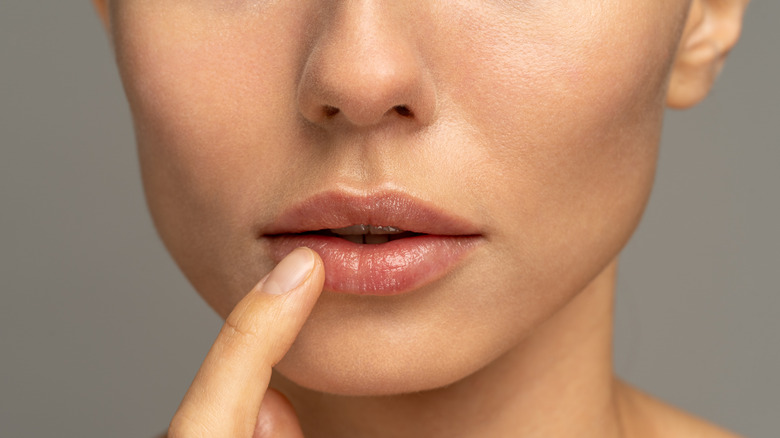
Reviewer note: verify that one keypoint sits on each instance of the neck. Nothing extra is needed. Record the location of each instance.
(557, 382)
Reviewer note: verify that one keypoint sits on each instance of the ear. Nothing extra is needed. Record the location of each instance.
(101, 6)
(711, 31)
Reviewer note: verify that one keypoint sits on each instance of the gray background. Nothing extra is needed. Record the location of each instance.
(100, 335)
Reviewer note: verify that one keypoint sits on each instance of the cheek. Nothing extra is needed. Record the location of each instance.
(568, 112)
(194, 84)
(206, 92)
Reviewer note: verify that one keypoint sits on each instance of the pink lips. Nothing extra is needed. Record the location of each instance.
(440, 241)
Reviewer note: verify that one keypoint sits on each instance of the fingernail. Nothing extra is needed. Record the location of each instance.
(289, 273)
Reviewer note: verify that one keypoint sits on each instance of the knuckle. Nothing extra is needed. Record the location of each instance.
(248, 331)
(247, 324)
(241, 327)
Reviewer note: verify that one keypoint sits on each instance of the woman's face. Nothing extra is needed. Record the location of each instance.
(534, 122)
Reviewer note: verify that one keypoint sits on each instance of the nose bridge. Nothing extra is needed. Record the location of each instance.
(364, 67)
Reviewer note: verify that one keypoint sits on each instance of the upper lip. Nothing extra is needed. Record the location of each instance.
(337, 209)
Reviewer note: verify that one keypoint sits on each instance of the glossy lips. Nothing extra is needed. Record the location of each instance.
(420, 243)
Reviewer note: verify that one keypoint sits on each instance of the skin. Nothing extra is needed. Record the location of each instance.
(538, 121)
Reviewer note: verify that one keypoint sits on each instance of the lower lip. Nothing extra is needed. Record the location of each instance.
(391, 268)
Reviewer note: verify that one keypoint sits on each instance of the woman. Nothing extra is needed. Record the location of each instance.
(466, 174)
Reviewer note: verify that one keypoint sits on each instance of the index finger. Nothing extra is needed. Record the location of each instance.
(225, 396)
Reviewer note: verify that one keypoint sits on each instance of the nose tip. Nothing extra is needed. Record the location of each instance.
(363, 72)
(364, 98)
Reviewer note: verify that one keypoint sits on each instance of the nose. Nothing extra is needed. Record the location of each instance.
(364, 68)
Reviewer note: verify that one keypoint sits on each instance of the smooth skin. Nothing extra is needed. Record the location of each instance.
(536, 120)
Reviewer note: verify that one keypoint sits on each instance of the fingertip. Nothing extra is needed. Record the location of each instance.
(291, 272)
(318, 263)
(318, 272)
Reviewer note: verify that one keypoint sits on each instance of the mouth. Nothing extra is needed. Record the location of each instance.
(384, 244)
(366, 234)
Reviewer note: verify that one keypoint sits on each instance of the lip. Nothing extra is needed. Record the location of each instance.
(443, 239)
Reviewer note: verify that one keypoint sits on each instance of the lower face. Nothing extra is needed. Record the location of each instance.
(534, 138)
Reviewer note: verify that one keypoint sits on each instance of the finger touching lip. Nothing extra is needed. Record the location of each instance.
(385, 244)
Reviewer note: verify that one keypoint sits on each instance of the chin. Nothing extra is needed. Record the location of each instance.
(363, 376)
(377, 356)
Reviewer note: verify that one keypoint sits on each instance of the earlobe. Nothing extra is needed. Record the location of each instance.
(711, 31)
(101, 7)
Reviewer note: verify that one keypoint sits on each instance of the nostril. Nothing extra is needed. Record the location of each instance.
(330, 111)
(403, 110)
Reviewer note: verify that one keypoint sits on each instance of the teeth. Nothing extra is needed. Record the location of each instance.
(367, 234)
(351, 231)
(384, 230)
(370, 239)
(366, 229)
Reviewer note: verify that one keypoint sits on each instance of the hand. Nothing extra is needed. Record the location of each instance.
(225, 398)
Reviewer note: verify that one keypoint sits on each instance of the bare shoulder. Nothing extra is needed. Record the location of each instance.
(647, 417)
